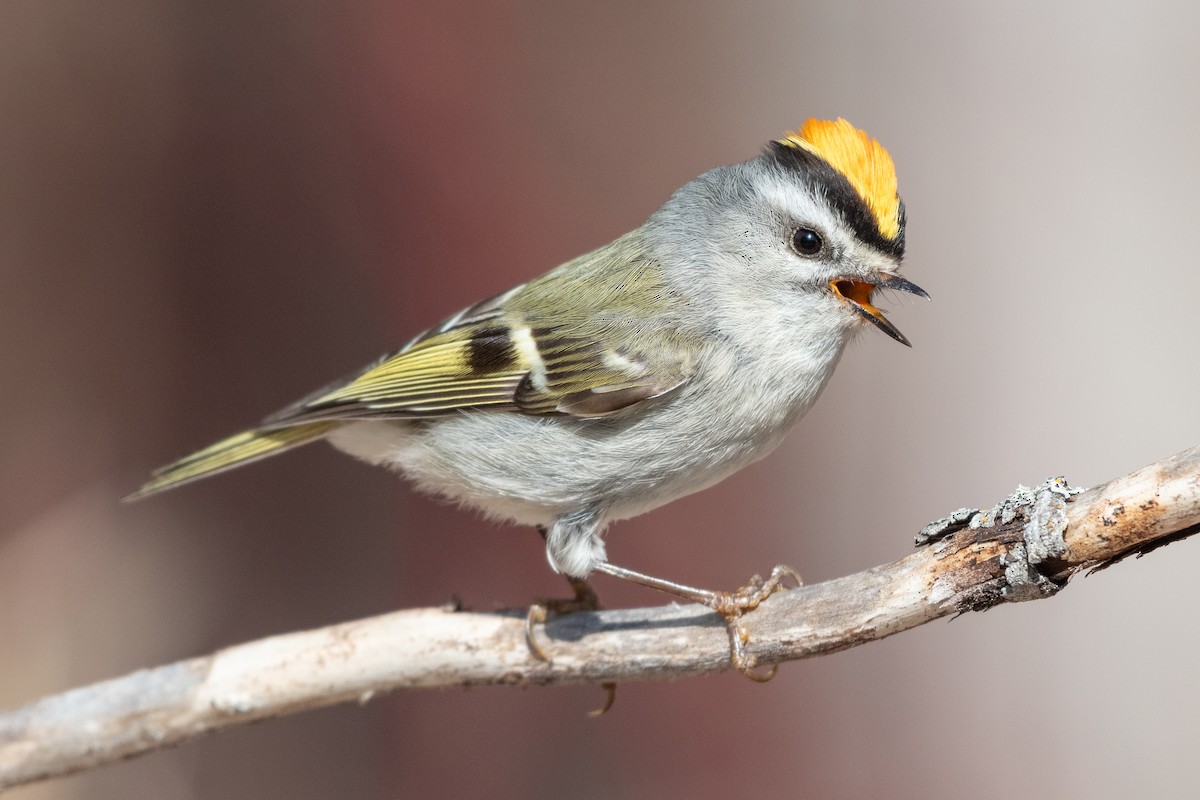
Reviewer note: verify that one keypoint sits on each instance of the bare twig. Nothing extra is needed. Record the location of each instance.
(1026, 547)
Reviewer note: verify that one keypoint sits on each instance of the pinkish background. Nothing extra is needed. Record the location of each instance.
(209, 209)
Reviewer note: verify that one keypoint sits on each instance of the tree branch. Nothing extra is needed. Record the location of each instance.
(1025, 548)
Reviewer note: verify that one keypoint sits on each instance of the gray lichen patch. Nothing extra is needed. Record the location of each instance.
(1041, 513)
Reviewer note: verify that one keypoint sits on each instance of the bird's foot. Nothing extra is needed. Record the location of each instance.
(732, 606)
(585, 599)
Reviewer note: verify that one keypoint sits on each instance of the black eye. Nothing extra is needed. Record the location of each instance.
(807, 242)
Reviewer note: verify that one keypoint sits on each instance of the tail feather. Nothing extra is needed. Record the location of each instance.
(239, 449)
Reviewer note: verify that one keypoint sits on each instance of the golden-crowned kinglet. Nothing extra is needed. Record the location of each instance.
(638, 373)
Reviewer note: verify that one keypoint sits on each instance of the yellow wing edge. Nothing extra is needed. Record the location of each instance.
(234, 451)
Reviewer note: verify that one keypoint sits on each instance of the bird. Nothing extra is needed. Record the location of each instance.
(643, 371)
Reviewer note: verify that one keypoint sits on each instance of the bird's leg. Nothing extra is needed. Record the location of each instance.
(584, 599)
(730, 605)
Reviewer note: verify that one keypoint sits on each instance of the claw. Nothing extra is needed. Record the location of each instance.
(611, 688)
(585, 599)
(742, 661)
(756, 589)
(761, 677)
(537, 616)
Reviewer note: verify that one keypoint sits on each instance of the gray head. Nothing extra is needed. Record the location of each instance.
(801, 236)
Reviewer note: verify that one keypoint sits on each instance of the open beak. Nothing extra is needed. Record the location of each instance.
(857, 293)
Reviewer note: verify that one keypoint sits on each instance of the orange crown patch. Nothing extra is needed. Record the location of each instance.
(861, 159)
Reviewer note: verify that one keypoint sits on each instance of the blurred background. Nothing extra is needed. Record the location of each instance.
(209, 209)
